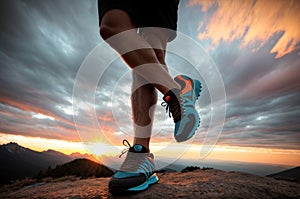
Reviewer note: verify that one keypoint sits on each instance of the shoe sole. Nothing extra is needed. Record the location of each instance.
(153, 179)
(188, 135)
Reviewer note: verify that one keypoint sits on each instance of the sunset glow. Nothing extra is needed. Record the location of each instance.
(43, 144)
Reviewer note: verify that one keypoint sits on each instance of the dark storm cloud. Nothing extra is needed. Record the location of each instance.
(256, 119)
(42, 46)
(262, 96)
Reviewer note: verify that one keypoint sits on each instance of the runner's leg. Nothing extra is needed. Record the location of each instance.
(144, 96)
(116, 21)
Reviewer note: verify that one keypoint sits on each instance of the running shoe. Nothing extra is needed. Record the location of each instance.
(136, 173)
(181, 104)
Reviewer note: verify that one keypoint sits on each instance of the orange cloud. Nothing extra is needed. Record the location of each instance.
(106, 117)
(25, 106)
(254, 22)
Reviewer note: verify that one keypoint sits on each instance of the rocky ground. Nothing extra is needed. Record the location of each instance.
(197, 184)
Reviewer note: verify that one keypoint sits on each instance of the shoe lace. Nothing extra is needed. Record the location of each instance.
(173, 108)
(127, 144)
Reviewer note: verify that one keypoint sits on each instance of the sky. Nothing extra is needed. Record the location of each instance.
(254, 45)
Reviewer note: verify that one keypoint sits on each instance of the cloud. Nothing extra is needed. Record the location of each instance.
(42, 47)
(253, 22)
(43, 44)
(261, 88)
(262, 97)
(256, 74)
(281, 80)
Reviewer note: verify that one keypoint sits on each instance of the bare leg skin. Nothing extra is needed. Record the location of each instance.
(144, 98)
(116, 21)
(143, 101)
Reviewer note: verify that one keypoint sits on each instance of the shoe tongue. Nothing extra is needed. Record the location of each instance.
(137, 148)
(174, 106)
(171, 95)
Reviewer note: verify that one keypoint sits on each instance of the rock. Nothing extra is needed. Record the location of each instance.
(196, 184)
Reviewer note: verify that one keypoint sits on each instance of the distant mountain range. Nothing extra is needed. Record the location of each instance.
(261, 169)
(290, 174)
(18, 162)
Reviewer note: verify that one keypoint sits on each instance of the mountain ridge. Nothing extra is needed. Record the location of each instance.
(292, 174)
(18, 162)
(82, 168)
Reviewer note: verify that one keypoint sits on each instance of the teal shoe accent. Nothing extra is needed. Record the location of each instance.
(151, 180)
(138, 147)
(122, 174)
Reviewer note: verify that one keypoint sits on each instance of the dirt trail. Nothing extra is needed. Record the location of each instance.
(197, 184)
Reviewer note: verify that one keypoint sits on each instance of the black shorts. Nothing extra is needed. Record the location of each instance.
(150, 13)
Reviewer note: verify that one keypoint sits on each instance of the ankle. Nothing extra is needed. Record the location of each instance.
(142, 141)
